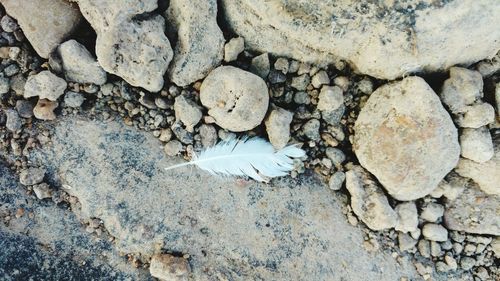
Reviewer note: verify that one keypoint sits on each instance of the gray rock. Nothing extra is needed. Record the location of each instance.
(405, 137)
(11, 70)
(406, 242)
(14, 122)
(73, 99)
(261, 65)
(17, 83)
(208, 135)
(476, 144)
(485, 174)
(46, 23)
(233, 48)
(333, 117)
(45, 85)
(170, 268)
(282, 65)
(187, 111)
(435, 232)
(311, 129)
(474, 212)
(236, 99)
(79, 65)
(42, 191)
(476, 115)
(301, 98)
(173, 147)
(200, 42)
(8, 24)
(368, 201)
(301, 82)
(31, 176)
(25, 108)
(319, 79)
(467, 263)
(330, 98)
(432, 212)
(463, 88)
(407, 217)
(278, 127)
(336, 155)
(489, 66)
(4, 85)
(336, 180)
(424, 248)
(307, 31)
(143, 206)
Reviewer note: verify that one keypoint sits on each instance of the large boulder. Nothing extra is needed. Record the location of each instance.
(405, 137)
(385, 39)
(46, 23)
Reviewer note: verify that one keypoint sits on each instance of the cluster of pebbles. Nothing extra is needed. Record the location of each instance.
(285, 101)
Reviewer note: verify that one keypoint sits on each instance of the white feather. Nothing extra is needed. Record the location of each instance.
(252, 157)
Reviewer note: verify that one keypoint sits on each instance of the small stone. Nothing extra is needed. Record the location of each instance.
(79, 65)
(261, 65)
(161, 103)
(311, 129)
(237, 99)
(368, 201)
(435, 249)
(31, 176)
(336, 180)
(463, 88)
(73, 99)
(431, 212)
(147, 100)
(24, 108)
(330, 98)
(44, 109)
(451, 262)
(495, 246)
(476, 144)
(45, 85)
(301, 98)
(365, 86)
(4, 85)
(276, 77)
(482, 273)
(319, 79)
(169, 268)
(208, 135)
(182, 134)
(301, 82)
(333, 117)
(442, 267)
(14, 122)
(406, 242)
(470, 249)
(342, 82)
(278, 127)
(407, 217)
(435, 232)
(11, 70)
(282, 65)
(336, 155)
(173, 147)
(489, 67)
(187, 111)
(477, 115)
(450, 187)
(42, 191)
(467, 263)
(165, 135)
(233, 48)
(8, 24)
(424, 248)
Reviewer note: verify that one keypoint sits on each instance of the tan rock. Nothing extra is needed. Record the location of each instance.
(278, 127)
(169, 268)
(44, 109)
(45, 85)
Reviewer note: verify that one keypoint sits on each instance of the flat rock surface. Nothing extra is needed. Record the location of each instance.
(285, 230)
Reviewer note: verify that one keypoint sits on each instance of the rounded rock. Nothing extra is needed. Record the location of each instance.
(435, 232)
(236, 99)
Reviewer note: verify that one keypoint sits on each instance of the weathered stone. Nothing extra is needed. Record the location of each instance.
(405, 137)
(278, 127)
(187, 111)
(435, 232)
(236, 99)
(73, 99)
(13, 122)
(31, 176)
(476, 115)
(233, 48)
(330, 98)
(368, 201)
(44, 109)
(45, 85)
(46, 23)
(200, 42)
(79, 65)
(476, 144)
(169, 268)
(261, 65)
(208, 135)
(463, 88)
(407, 217)
(415, 36)
(431, 212)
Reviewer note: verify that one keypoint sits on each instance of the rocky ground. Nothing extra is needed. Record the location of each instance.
(401, 178)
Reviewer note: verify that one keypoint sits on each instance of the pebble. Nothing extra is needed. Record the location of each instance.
(477, 115)
(336, 180)
(451, 262)
(407, 217)
(311, 129)
(161, 103)
(73, 99)
(165, 135)
(476, 144)
(319, 79)
(11, 70)
(45, 85)
(330, 98)
(44, 109)
(42, 191)
(495, 246)
(4, 85)
(435, 232)
(424, 248)
(282, 65)
(173, 147)
(146, 100)
(294, 66)
(365, 86)
(301, 98)
(336, 155)
(278, 127)
(25, 108)
(432, 212)
(261, 65)
(467, 263)
(182, 135)
(233, 48)
(342, 82)
(187, 111)
(300, 82)
(435, 249)
(79, 65)
(208, 135)
(14, 122)
(31, 176)
(463, 88)
(406, 242)
(276, 77)
(8, 24)
(168, 267)
(470, 249)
